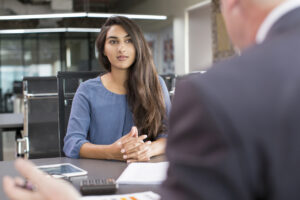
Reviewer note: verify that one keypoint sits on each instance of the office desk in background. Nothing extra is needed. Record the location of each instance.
(10, 122)
(96, 169)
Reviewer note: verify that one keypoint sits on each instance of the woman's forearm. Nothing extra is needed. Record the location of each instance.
(95, 151)
(158, 147)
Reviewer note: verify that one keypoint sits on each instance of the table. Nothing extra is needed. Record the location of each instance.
(96, 169)
(10, 122)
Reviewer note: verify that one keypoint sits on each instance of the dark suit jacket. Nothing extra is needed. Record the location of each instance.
(234, 132)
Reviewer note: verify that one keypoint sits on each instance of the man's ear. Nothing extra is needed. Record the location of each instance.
(232, 4)
(234, 7)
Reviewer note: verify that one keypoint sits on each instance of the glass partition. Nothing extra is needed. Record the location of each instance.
(42, 54)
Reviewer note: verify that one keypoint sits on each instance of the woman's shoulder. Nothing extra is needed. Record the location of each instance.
(162, 82)
(91, 83)
(160, 78)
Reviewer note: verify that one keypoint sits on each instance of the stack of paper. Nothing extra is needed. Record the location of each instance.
(134, 196)
(144, 173)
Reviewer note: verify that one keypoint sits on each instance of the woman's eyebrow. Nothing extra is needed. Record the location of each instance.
(112, 37)
(115, 37)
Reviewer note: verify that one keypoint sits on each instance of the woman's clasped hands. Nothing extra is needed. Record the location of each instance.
(132, 147)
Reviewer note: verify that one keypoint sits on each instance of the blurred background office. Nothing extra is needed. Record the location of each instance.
(188, 37)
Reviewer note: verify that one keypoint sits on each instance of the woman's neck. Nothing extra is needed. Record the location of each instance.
(119, 77)
(115, 81)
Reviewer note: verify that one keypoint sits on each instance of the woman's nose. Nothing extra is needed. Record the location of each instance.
(121, 47)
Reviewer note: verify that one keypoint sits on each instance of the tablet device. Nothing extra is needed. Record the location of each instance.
(62, 170)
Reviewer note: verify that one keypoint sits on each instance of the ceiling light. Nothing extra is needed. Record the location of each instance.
(131, 16)
(81, 15)
(43, 16)
(50, 30)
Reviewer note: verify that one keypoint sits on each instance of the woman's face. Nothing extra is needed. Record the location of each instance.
(119, 48)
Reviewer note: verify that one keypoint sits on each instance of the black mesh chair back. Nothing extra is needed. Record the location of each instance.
(170, 80)
(41, 117)
(68, 83)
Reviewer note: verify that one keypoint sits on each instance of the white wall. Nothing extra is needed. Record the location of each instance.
(174, 9)
(163, 57)
(199, 37)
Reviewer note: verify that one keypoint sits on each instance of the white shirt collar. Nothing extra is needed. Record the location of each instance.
(274, 16)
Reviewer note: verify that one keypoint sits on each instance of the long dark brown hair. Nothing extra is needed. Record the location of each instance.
(144, 92)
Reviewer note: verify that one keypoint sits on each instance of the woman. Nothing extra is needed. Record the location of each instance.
(113, 114)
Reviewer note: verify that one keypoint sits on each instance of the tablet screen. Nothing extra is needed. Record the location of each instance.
(62, 169)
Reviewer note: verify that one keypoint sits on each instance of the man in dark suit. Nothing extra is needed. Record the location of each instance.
(234, 132)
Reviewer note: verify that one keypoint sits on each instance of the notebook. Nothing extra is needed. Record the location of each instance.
(144, 173)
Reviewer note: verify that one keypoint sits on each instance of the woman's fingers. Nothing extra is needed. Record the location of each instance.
(133, 132)
(133, 144)
(130, 140)
(141, 154)
(136, 147)
(143, 158)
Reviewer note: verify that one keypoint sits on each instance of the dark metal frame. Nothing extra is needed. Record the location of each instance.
(35, 92)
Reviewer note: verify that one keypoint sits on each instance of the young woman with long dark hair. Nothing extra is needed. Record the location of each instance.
(122, 114)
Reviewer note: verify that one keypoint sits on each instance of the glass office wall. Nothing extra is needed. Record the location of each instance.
(42, 55)
(48, 60)
(77, 52)
(11, 62)
(11, 68)
(80, 52)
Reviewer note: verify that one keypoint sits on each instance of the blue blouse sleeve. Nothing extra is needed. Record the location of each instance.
(167, 104)
(79, 122)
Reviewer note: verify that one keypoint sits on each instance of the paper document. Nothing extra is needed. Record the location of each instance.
(134, 196)
(144, 173)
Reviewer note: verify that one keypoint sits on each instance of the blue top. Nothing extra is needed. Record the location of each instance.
(99, 116)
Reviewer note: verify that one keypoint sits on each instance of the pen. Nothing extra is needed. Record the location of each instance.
(26, 185)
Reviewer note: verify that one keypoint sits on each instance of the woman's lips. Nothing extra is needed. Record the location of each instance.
(122, 58)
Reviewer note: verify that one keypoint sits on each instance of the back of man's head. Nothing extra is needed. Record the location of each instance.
(244, 17)
(267, 2)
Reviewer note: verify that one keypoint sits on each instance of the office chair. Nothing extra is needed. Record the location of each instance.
(170, 80)
(68, 83)
(40, 136)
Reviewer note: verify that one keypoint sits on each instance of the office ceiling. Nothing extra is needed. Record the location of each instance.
(93, 5)
(110, 6)
(104, 5)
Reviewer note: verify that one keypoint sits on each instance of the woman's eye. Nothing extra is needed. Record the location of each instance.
(129, 41)
(112, 42)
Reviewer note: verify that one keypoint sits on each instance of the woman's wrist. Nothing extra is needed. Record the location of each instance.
(112, 152)
(152, 150)
(158, 147)
(108, 152)
(95, 151)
